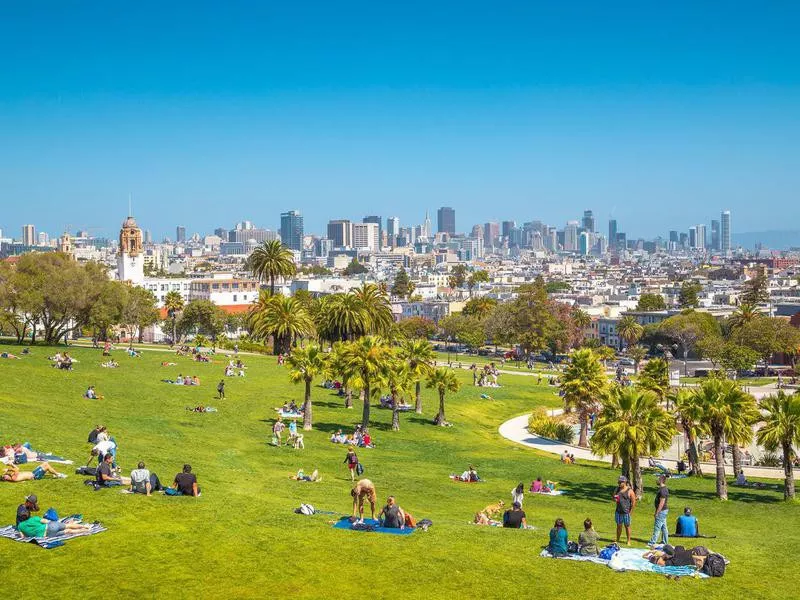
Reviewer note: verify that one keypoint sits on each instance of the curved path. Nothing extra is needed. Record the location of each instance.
(516, 430)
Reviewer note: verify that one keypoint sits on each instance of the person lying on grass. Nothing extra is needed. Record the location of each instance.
(31, 526)
(12, 473)
(391, 515)
(363, 490)
(314, 477)
(469, 475)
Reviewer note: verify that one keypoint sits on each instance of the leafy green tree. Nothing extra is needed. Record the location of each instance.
(354, 268)
(584, 384)
(458, 276)
(479, 307)
(107, 310)
(654, 378)
(637, 354)
(632, 425)
(756, 289)
(746, 313)
(536, 326)
(691, 417)
(767, 336)
(443, 381)
(581, 319)
(281, 317)
(553, 287)
(475, 278)
(364, 359)
(688, 328)
(399, 381)
(500, 324)
(728, 354)
(402, 287)
(174, 303)
(651, 302)
(418, 354)
(270, 261)
(305, 364)
(140, 311)
(374, 302)
(629, 330)
(687, 298)
(728, 413)
(417, 328)
(341, 317)
(781, 429)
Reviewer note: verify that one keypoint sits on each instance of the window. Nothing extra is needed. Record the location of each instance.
(234, 297)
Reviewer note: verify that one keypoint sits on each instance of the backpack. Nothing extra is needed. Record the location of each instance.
(305, 509)
(20, 459)
(572, 547)
(91, 471)
(609, 551)
(715, 565)
(359, 469)
(410, 521)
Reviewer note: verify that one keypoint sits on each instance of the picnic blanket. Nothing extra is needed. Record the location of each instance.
(49, 543)
(344, 523)
(594, 559)
(553, 493)
(459, 480)
(670, 476)
(290, 415)
(630, 559)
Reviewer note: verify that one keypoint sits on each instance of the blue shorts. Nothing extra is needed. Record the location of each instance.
(623, 518)
(38, 473)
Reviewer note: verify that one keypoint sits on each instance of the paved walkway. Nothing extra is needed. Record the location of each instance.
(516, 430)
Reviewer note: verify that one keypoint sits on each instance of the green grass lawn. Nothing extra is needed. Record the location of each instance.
(241, 538)
(745, 381)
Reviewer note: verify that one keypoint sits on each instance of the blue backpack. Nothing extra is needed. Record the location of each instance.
(609, 551)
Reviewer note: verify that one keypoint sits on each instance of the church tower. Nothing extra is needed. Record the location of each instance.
(130, 259)
(65, 245)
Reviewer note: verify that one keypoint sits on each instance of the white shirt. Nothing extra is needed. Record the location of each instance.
(516, 497)
(104, 447)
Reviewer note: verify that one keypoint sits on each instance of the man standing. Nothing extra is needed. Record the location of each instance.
(661, 512)
(30, 505)
(626, 502)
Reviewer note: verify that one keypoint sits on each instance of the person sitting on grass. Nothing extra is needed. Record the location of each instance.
(518, 494)
(185, 483)
(687, 525)
(30, 505)
(143, 481)
(558, 539)
(515, 517)
(363, 490)
(391, 515)
(536, 486)
(470, 475)
(12, 474)
(106, 476)
(741, 479)
(91, 394)
(587, 540)
(39, 527)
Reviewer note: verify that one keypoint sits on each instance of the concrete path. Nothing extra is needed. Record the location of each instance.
(516, 430)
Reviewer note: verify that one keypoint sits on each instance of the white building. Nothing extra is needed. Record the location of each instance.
(130, 257)
(366, 236)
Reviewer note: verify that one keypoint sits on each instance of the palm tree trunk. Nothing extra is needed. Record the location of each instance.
(583, 438)
(307, 407)
(272, 285)
(174, 341)
(694, 459)
(365, 412)
(636, 476)
(737, 459)
(440, 418)
(348, 398)
(418, 391)
(719, 456)
(788, 470)
(626, 466)
(395, 413)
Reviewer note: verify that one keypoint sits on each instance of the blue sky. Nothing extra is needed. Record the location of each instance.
(210, 113)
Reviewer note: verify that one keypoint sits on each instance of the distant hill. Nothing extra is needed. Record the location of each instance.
(775, 240)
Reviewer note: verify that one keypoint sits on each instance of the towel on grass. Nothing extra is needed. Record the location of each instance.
(344, 523)
(670, 476)
(631, 559)
(289, 415)
(553, 493)
(459, 480)
(595, 559)
(49, 543)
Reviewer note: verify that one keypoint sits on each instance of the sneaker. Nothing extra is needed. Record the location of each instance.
(62, 476)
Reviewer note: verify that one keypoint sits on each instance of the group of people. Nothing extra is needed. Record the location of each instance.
(567, 458)
(62, 360)
(360, 437)
(391, 516)
(181, 380)
(295, 439)
(234, 368)
(486, 376)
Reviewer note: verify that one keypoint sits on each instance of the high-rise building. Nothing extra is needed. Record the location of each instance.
(251, 235)
(506, 228)
(446, 218)
(697, 237)
(43, 239)
(622, 241)
(725, 232)
(377, 220)
(477, 231)
(673, 236)
(221, 232)
(491, 231)
(571, 236)
(427, 228)
(684, 240)
(392, 226)
(612, 232)
(340, 232)
(365, 236)
(28, 235)
(588, 221)
(180, 234)
(292, 230)
(148, 237)
(714, 235)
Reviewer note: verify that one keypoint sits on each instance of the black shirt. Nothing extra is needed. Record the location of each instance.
(22, 510)
(662, 492)
(184, 481)
(391, 517)
(513, 518)
(681, 558)
(103, 469)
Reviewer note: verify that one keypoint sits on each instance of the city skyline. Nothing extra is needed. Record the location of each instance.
(463, 108)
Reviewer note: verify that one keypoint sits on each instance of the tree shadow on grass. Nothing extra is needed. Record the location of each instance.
(348, 427)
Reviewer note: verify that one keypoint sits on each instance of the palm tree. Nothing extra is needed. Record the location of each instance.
(336, 365)
(283, 318)
(419, 356)
(637, 354)
(743, 315)
(629, 330)
(269, 261)
(781, 429)
(364, 359)
(378, 318)
(728, 413)
(581, 319)
(693, 427)
(173, 302)
(632, 425)
(655, 378)
(304, 365)
(399, 381)
(341, 317)
(443, 381)
(584, 385)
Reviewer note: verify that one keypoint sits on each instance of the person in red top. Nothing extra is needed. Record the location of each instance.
(367, 439)
(351, 460)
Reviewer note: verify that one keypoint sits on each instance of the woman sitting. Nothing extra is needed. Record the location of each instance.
(587, 540)
(558, 539)
(391, 515)
(536, 486)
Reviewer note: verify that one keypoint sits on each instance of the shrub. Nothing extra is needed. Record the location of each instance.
(565, 433)
(542, 425)
(769, 460)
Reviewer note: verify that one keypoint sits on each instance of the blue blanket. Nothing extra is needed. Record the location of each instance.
(344, 523)
(49, 543)
(630, 559)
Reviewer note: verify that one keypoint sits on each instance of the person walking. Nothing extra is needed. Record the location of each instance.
(351, 460)
(661, 504)
(221, 389)
(625, 503)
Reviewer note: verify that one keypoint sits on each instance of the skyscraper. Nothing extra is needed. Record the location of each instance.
(612, 232)
(427, 228)
(340, 233)
(571, 236)
(507, 227)
(365, 236)
(491, 231)
(43, 238)
(446, 220)
(392, 230)
(377, 220)
(148, 237)
(292, 229)
(180, 234)
(715, 235)
(28, 235)
(588, 221)
(673, 236)
(725, 232)
(585, 243)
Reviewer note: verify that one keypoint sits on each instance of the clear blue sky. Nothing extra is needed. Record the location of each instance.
(209, 113)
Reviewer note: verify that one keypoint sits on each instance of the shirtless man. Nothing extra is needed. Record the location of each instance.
(13, 474)
(364, 489)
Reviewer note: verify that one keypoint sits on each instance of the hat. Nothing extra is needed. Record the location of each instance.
(516, 505)
(32, 499)
(622, 479)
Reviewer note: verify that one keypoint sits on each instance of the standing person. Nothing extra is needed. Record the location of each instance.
(661, 512)
(221, 389)
(363, 490)
(587, 540)
(518, 494)
(236, 348)
(351, 460)
(558, 539)
(626, 502)
(277, 430)
(24, 510)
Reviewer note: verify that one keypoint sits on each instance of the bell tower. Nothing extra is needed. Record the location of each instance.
(130, 260)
